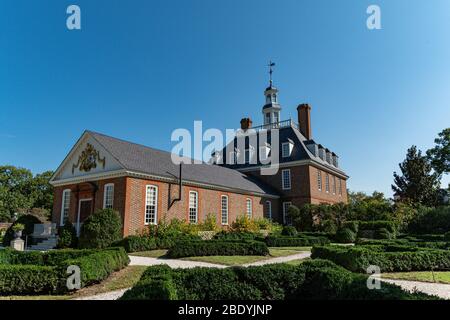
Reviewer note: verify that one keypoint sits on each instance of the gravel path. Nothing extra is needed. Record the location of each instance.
(173, 263)
(297, 256)
(436, 289)
(112, 295)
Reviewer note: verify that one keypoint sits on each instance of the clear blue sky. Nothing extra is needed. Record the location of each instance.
(139, 69)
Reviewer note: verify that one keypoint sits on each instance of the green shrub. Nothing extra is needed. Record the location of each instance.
(34, 272)
(217, 248)
(29, 279)
(447, 236)
(244, 224)
(431, 221)
(67, 236)
(382, 233)
(358, 258)
(282, 241)
(345, 236)
(225, 235)
(138, 243)
(28, 221)
(352, 225)
(289, 231)
(376, 225)
(210, 223)
(99, 265)
(101, 229)
(317, 279)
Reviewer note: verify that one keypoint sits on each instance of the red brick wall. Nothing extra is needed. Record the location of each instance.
(86, 191)
(304, 187)
(129, 201)
(209, 202)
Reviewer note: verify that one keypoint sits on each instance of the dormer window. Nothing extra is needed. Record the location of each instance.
(264, 152)
(286, 149)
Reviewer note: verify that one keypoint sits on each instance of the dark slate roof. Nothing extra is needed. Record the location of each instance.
(299, 152)
(142, 159)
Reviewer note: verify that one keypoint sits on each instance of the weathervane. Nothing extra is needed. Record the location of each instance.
(270, 65)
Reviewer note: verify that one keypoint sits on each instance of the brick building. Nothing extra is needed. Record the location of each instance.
(309, 173)
(145, 186)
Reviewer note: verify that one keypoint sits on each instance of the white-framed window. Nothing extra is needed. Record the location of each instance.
(334, 185)
(151, 205)
(65, 206)
(319, 180)
(286, 149)
(340, 187)
(193, 207)
(286, 179)
(286, 206)
(327, 182)
(269, 209)
(267, 118)
(249, 208)
(224, 210)
(108, 196)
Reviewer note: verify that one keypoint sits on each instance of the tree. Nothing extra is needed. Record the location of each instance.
(439, 156)
(21, 192)
(417, 183)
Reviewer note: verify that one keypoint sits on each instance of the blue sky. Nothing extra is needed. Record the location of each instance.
(140, 69)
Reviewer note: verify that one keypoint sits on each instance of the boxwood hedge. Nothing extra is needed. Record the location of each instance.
(45, 272)
(217, 248)
(317, 279)
(389, 259)
(299, 241)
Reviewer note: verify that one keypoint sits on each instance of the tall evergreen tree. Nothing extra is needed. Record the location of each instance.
(440, 155)
(418, 183)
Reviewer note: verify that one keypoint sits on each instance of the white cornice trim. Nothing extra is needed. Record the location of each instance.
(127, 173)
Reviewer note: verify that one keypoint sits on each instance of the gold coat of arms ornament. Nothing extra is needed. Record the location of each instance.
(88, 159)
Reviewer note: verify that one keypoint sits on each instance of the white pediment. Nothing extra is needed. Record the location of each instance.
(87, 157)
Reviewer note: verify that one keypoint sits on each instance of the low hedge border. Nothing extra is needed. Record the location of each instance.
(27, 273)
(217, 248)
(311, 280)
(298, 241)
(394, 259)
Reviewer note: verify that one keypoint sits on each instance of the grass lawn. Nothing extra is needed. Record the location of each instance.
(425, 276)
(150, 254)
(297, 262)
(122, 279)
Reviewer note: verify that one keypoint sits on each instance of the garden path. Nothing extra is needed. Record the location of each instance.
(436, 289)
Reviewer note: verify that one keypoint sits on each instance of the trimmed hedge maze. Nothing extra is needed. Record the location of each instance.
(28, 273)
(390, 257)
(311, 280)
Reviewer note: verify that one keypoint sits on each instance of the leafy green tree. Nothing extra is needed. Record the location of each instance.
(15, 189)
(42, 191)
(21, 192)
(418, 183)
(439, 156)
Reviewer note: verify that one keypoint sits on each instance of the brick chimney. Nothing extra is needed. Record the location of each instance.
(246, 123)
(304, 120)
